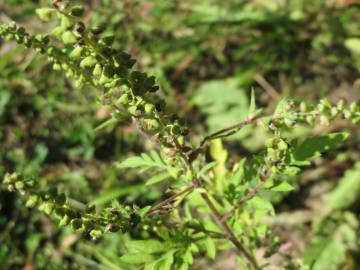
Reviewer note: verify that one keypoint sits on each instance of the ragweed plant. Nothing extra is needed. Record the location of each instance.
(213, 205)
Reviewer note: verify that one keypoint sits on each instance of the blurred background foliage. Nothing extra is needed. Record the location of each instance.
(207, 56)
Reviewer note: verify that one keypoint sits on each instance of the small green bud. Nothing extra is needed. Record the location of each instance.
(30, 182)
(347, 114)
(108, 41)
(9, 36)
(11, 26)
(270, 143)
(46, 207)
(57, 32)
(303, 107)
(45, 14)
(69, 37)
(151, 124)
(60, 199)
(77, 10)
(60, 211)
(132, 110)
(21, 31)
(124, 99)
(56, 66)
(289, 122)
(32, 201)
(77, 52)
(7, 179)
(353, 107)
(97, 29)
(65, 66)
(97, 70)
(310, 119)
(149, 108)
(104, 79)
(334, 111)
(76, 224)
(71, 213)
(341, 105)
(15, 177)
(326, 103)
(96, 233)
(19, 185)
(88, 61)
(175, 130)
(64, 221)
(11, 188)
(321, 107)
(282, 145)
(324, 120)
(109, 71)
(66, 22)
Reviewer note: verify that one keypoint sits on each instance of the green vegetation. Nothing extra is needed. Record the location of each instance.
(179, 135)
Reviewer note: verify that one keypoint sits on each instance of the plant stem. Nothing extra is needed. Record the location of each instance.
(229, 130)
(247, 197)
(217, 218)
(170, 199)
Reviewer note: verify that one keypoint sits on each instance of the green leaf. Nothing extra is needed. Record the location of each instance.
(330, 252)
(152, 265)
(88, 61)
(167, 260)
(314, 146)
(210, 248)
(144, 162)
(137, 258)
(262, 206)
(148, 246)
(206, 168)
(348, 190)
(115, 193)
(223, 103)
(142, 212)
(106, 123)
(157, 178)
(283, 187)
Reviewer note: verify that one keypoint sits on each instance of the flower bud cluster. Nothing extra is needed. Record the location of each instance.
(322, 113)
(83, 219)
(277, 150)
(328, 112)
(87, 56)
